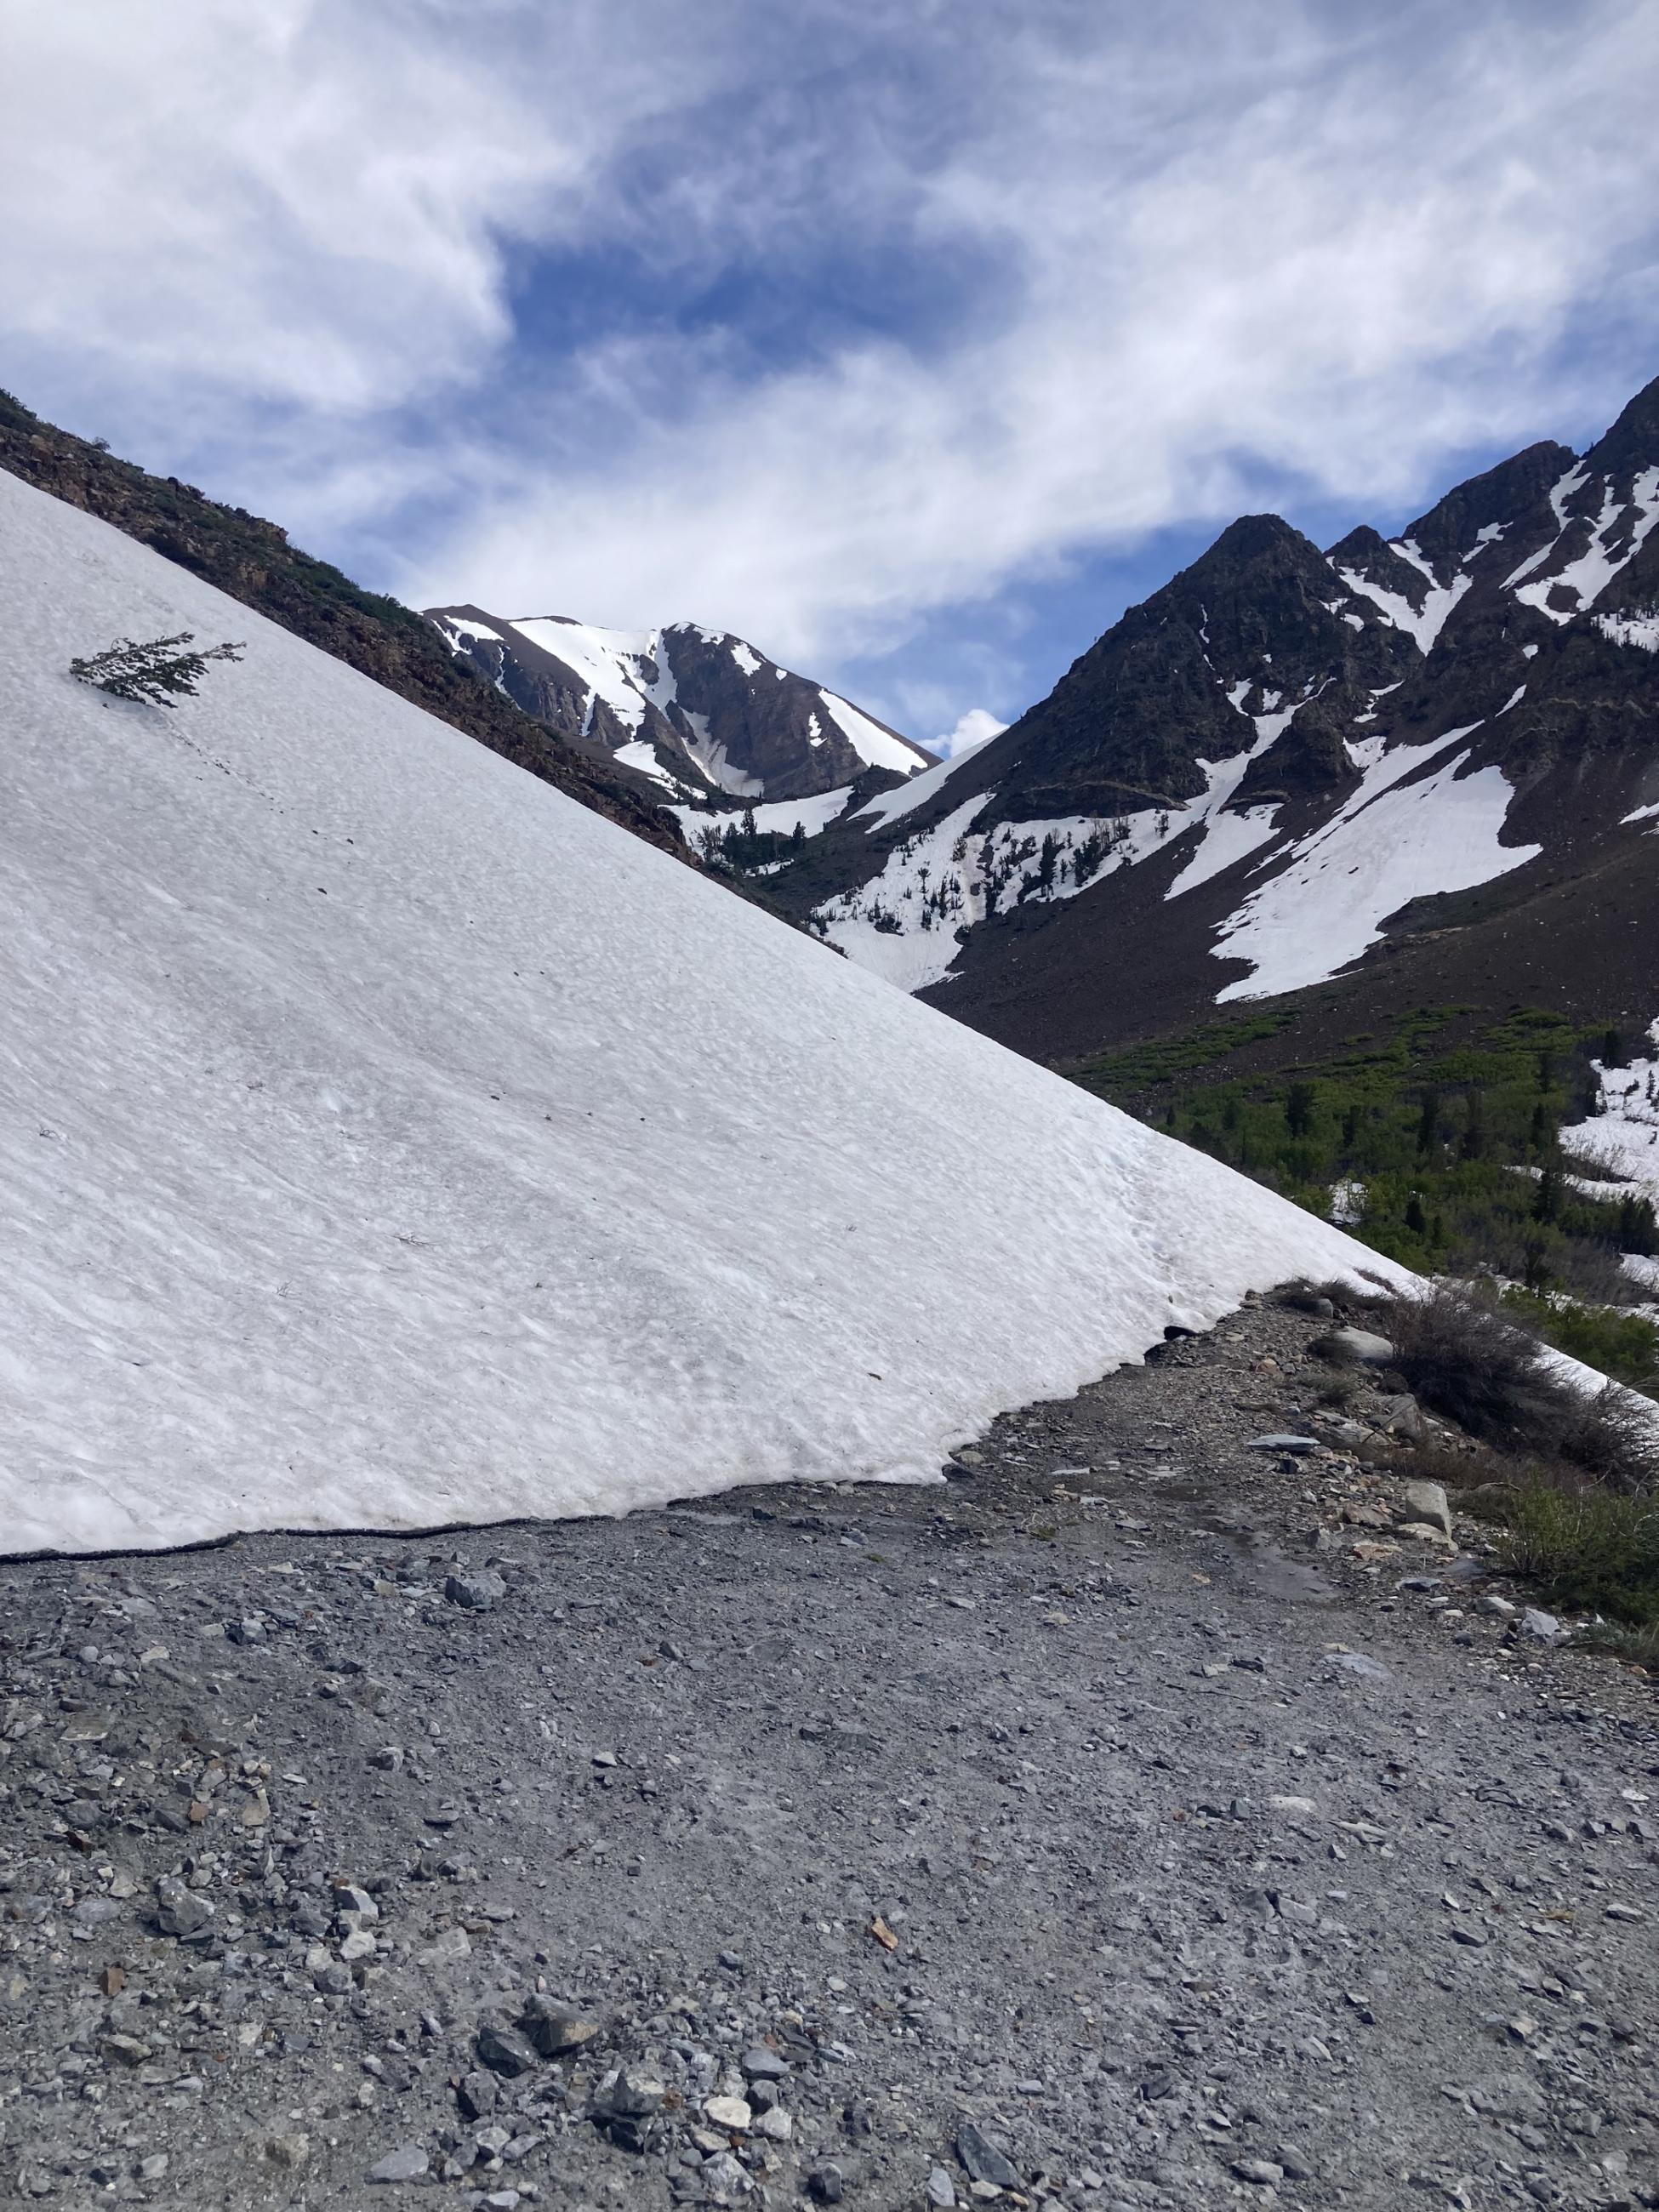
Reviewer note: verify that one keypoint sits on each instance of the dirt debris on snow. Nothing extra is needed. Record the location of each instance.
(1142, 1819)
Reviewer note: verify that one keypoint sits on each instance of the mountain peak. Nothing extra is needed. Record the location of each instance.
(1633, 441)
(697, 712)
(1489, 502)
(1254, 535)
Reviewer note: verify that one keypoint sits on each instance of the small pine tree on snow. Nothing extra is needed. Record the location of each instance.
(150, 670)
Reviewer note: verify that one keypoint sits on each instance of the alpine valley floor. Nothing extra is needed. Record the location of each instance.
(1120, 1825)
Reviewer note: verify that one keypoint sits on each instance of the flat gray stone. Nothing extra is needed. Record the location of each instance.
(408, 2162)
(981, 2160)
(475, 1593)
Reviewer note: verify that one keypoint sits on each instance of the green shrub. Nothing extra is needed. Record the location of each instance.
(1620, 1344)
(1586, 1547)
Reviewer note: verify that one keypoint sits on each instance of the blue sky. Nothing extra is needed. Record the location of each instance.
(911, 340)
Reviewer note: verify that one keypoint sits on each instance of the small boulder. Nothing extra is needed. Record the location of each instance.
(554, 2028)
(475, 1593)
(981, 2160)
(1401, 1416)
(180, 1911)
(760, 2064)
(1361, 1348)
(476, 2094)
(504, 2050)
(1541, 1627)
(408, 2162)
(1427, 1501)
(723, 2180)
(626, 2093)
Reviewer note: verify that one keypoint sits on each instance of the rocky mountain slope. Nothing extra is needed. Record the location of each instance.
(699, 714)
(1428, 768)
(386, 1140)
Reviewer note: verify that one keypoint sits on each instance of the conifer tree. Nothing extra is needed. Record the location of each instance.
(152, 670)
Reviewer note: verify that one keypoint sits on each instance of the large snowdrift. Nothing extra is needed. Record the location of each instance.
(386, 1141)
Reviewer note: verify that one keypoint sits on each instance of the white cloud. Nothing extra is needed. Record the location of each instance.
(307, 204)
(1184, 248)
(972, 729)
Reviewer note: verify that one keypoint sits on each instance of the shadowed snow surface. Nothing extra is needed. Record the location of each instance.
(385, 1140)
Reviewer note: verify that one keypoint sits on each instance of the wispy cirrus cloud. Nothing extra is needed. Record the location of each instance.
(842, 332)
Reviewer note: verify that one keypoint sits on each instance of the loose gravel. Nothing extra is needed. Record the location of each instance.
(1140, 1819)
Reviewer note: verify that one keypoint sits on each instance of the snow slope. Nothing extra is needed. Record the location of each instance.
(386, 1140)
(1401, 836)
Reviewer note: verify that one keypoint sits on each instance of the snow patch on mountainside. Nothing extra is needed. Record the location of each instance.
(641, 754)
(606, 660)
(904, 798)
(710, 754)
(779, 816)
(457, 627)
(875, 747)
(1424, 623)
(1639, 630)
(1622, 1141)
(386, 1140)
(1391, 842)
(1618, 534)
(1228, 839)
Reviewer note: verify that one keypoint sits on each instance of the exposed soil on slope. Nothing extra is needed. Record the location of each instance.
(1137, 1820)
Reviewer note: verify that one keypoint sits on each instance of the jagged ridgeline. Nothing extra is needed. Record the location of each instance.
(1426, 769)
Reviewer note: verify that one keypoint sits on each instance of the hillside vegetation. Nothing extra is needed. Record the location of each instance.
(1439, 1145)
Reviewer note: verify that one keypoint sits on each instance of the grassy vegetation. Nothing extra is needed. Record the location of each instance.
(1587, 1548)
(1622, 1344)
(1437, 1145)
